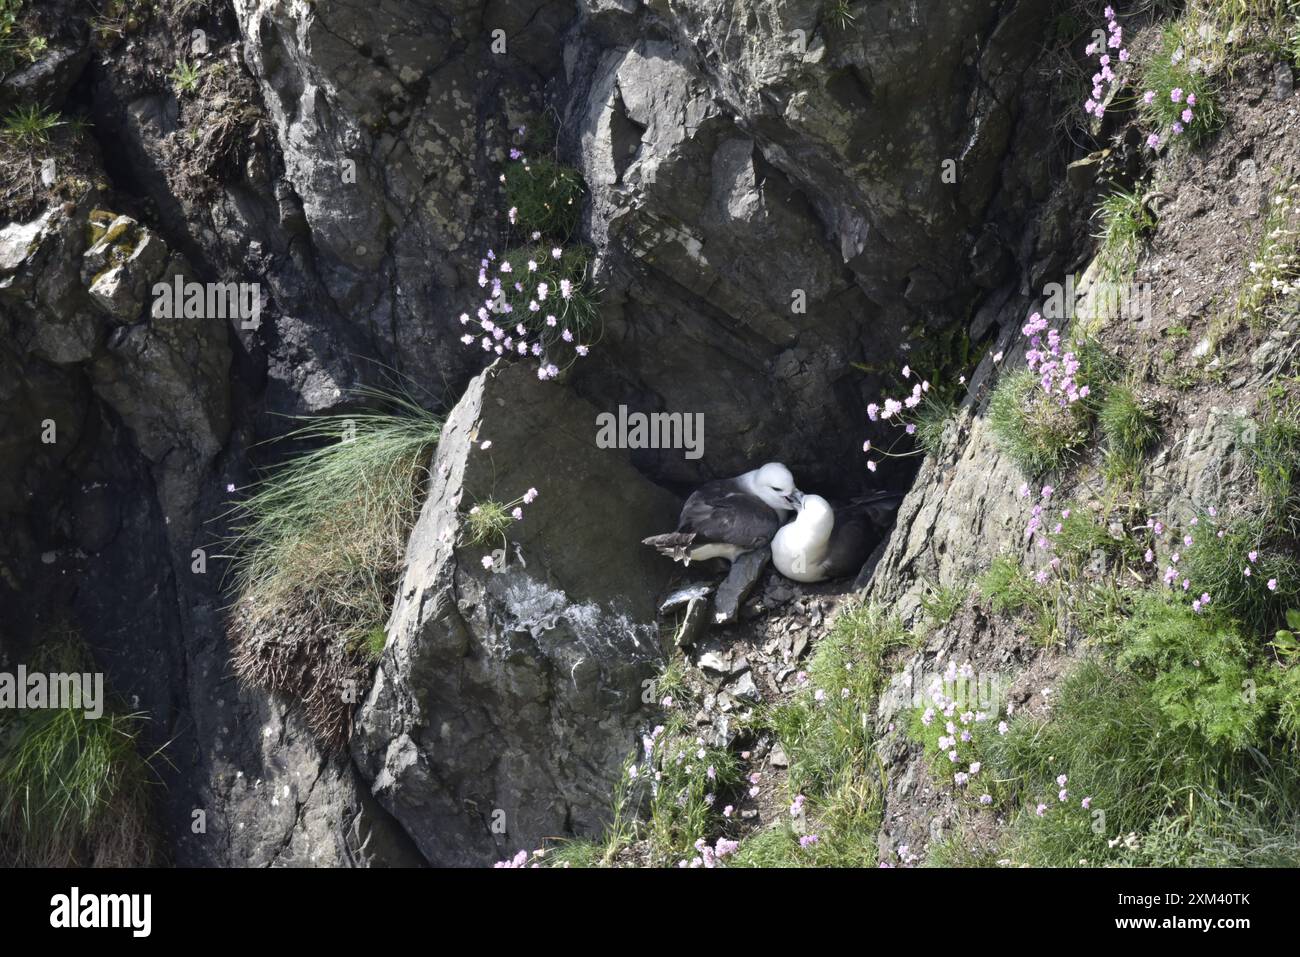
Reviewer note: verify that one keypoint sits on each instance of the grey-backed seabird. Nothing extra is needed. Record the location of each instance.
(728, 517)
(824, 542)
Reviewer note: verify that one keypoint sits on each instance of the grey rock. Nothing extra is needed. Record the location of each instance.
(743, 575)
(693, 623)
(514, 694)
(744, 688)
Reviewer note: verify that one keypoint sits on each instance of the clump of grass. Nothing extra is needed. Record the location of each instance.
(941, 603)
(686, 803)
(1034, 428)
(1130, 430)
(776, 846)
(827, 731)
(487, 523)
(546, 196)
(1042, 429)
(1011, 591)
(1276, 452)
(1217, 565)
(1158, 790)
(822, 737)
(1181, 67)
(30, 125)
(932, 419)
(1126, 221)
(185, 76)
(318, 548)
(1084, 536)
(578, 312)
(838, 13)
(1275, 268)
(74, 791)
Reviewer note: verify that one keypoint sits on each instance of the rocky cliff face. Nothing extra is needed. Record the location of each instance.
(781, 206)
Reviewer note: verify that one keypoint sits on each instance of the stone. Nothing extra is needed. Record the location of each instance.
(744, 574)
(553, 653)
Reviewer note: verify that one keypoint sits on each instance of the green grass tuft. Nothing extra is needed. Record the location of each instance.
(1216, 565)
(579, 313)
(318, 547)
(185, 76)
(1011, 591)
(1037, 432)
(15, 45)
(1130, 431)
(932, 419)
(74, 791)
(827, 731)
(1125, 223)
(1183, 63)
(1276, 452)
(30, 125)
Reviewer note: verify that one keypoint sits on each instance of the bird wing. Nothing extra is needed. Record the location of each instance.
(721, 515)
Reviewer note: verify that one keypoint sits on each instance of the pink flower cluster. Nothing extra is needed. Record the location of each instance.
(1062, 796)
(1094, 105)
(957, 727)
(1038, 529)
(892, 410)
(519, 860)
(1056, 369)
(526, 302)
(1185, 118)
(710, 856)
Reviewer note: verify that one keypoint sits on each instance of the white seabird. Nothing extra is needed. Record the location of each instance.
(824, 542)
(727, 517)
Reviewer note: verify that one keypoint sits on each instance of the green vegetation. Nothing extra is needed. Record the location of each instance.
(74, 791)
(838, 13)
(1220, 558)
(691, 782)
(1041, 431)
(185, 77)
(15, 46)
(1126, 221)
(545, 196)
(941, 603)
(30, 125)
(1274, 272)
(1181, 68)
(486, 523)
(1162, 787)
(1011, 591)
(536, 265)
(318, 547)
(1035, 429)
(932, 418)
(1130, 431)
(827, 733)
(1276, 452)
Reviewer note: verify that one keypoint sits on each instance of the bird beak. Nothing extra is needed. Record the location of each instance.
(795, 499)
